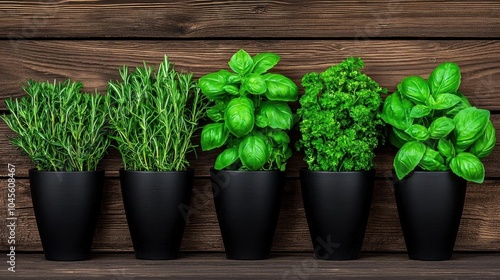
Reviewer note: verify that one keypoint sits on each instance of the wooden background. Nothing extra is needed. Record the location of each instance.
(89, 41)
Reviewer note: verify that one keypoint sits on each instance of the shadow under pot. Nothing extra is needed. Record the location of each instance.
(247, 205)
(337, 206)
(156, 206)
(430, 208)
(66, 206)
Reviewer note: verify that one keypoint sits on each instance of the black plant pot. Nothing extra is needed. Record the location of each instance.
(155, 206)
(66, 206)
(248, 205)
(430, 207)
(337, 206)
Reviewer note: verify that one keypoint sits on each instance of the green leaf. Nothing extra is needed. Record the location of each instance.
(445, 101)
(255, 84)
(445, 78)
(418, 132)
(464, 103)
(441, 127)
(213, 136)
(233, 90)
(280, 88)
(419, 111)
(446, 148)
(226, 158)
(274, 114)
(414, 88)
(432, 161)
(239, 116)
(469, 167)
(279, 136)
(264, 62)
(241, 62)
(408, 157)
(470, 124)
(398, 137)
(253, 152)
(485, 143)
(394, 112)
(212, 85)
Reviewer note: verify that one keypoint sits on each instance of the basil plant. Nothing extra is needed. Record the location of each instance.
(250, 113)
(436, 128)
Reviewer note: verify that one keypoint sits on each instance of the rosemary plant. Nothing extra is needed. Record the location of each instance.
(154, 114)
(58, 127)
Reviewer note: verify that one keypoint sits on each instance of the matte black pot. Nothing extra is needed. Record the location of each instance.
(155, 204)
(430, 207)
(248, 205)
(337, 206)
(66, 208)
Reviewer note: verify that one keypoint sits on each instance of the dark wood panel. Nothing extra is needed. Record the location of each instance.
(280, 266)
(257, 19)
(479, 231)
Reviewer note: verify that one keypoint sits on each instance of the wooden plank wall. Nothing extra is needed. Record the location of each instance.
(89, 40)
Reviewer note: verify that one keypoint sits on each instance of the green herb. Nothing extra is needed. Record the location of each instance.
(250, 113)
(154, 114)
(341, 124)
(436, 128)
(58, 127)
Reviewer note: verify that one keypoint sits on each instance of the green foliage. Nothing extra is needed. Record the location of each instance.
(250, 113)
(436, 128)
(154, 114)
(59, 127)
(341, 124)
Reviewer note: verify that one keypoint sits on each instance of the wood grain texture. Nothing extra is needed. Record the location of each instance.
(479, 231)
(255, 19)
(386, 61)
(280, 266)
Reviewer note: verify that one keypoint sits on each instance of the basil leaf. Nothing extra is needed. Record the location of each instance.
(485, 143)
(445, 101)
(470, 124)
(213, 136)
(398, 137)
(212, 85)
(408, 157)
(419, 111)
(464, 103)
(255, 84)
(394, 112)
(414, 88)
(469, 167)
(226, 158)
(432, 161)
(233, 90)
(441, 127)
(446, 148)
(280, 88)
(274, 114)
(241, 62)
(253, 152)
(445, 78)
(216, 113)
(279, 136)
(418, 132)
(239, 116)
(264, 61)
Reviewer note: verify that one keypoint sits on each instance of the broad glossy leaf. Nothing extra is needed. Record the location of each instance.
(280, 88)
(441, 127)
(444, 101)
(395, 113)
(233, 90)
(279, 136)
(213, 136)
(212, 85)
(264, 61)
(485, 143)
(255, 84)
(469, 167)
(398, 137)
(239, 116)
(414, 88)
(241, 62)
(464, 103)
(445, 78)
(226, 158)
(470, 124)
(253, 152)
(432, 161)
(274, 114)
(419, 111)
(446, 148)
(418, 132)
(408, 157)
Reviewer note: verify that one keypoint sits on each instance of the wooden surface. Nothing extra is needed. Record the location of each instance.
(90, 40)
(280, 266)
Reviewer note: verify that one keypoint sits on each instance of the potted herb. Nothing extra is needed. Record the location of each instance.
(64, 133)
(441, 140)
(251, 118)
(154, 113)
(340, 126)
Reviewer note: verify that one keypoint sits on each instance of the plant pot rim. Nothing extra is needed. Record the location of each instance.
(246, 171)
(189, 170)
(65, 172)
(336, 172)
